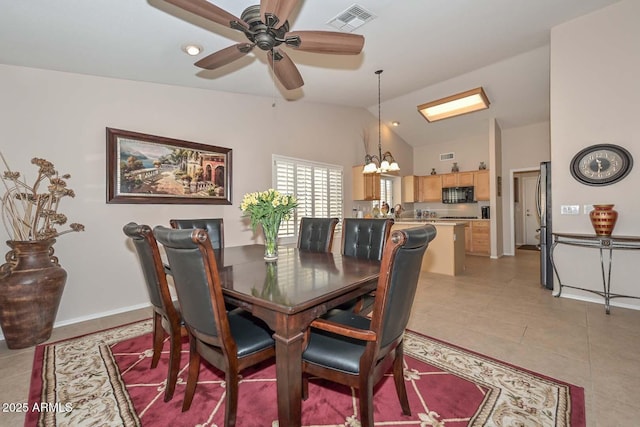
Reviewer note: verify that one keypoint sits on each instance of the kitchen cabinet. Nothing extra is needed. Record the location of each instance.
(430, 188)
(467, 237)
(458, 179)
(410, 189)
(480, 239)
(482, 185)
(445, 254)
(365, 186)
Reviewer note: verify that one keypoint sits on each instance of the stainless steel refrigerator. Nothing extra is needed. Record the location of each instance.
(544, 212)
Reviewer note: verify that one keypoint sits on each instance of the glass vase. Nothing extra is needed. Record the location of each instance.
(270, 241)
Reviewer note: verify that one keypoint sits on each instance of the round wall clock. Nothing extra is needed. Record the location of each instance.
(601, 164)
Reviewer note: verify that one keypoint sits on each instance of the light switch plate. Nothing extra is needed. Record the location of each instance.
(570, 210)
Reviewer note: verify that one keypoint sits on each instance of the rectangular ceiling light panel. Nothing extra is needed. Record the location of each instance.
(455, 105)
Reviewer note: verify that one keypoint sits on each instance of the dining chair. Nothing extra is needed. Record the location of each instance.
(230, 341)
(365, 239)
(354, 350)
(316, 234)
(214, 226)
(166, 312)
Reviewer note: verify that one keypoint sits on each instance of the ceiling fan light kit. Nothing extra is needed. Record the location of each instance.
(266, 26)
(380, 163)
(455, 105)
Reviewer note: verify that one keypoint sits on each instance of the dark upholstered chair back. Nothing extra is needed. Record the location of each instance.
(230, 341)
(149, 256)
(365, 238)
(316, 234)
(166, 314)
(356, 351)
(191, 266)
(394, 298)
(214, 226)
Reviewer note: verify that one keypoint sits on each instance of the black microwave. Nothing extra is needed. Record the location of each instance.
(458, 195)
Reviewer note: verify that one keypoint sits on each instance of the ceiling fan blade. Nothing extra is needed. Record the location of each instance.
(280, 8)
(224, 56)
(325, 42)
(208, 11)
(285, 70)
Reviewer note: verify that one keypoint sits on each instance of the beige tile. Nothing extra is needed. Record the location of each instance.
(607, 411)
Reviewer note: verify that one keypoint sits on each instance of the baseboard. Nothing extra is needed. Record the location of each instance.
(95, 316)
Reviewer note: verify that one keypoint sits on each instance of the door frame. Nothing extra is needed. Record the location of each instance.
(530, 180)
(511, 250)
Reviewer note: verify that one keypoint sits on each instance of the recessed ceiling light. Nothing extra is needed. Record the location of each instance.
(192, 49)
(395, 124)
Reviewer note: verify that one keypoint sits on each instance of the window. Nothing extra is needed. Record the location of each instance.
(386, 190)
(317, 186)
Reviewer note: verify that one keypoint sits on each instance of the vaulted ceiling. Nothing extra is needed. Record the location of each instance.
(428, 49)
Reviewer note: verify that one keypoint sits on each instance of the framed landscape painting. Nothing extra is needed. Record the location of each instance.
(145, 168)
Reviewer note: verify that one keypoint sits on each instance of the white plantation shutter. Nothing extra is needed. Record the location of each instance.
(386, 191)
(317, 186)
(285, 182)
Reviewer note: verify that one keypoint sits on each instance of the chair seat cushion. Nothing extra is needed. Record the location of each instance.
(336, 351)
(251, 334)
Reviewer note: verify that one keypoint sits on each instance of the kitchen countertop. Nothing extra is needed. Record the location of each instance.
(442, 221)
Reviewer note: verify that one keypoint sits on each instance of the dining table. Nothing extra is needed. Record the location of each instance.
(288, 294)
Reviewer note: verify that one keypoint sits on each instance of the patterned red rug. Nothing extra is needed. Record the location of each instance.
(104, 379)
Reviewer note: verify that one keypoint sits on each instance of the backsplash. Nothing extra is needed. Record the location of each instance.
(441, 209)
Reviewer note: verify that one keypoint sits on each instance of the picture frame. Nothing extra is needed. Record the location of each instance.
(144, 168)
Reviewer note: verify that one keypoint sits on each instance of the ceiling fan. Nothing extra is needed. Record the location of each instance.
(266, 26)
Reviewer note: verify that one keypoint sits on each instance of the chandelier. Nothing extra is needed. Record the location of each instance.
(383, 162)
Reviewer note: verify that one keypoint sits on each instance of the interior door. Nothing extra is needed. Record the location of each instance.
(531, 218)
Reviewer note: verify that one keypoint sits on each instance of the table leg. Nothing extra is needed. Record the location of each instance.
(606, 279)
(555, 270)
(289, 379)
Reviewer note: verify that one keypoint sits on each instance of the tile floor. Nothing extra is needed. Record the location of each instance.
(496, 308)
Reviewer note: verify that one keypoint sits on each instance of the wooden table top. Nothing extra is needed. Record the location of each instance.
(295, 282)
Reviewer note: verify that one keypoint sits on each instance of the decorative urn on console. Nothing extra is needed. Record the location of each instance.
(603, 218)
(268, 208)
(32, 280)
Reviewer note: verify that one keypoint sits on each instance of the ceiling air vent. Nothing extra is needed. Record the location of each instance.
(352, 18)
(447, 156)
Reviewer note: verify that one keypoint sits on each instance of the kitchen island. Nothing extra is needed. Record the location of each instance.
(445, 254)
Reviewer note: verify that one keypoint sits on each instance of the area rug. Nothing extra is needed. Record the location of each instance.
(104, 379)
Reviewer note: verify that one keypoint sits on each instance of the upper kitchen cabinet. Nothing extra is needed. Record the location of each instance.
(458, 179)
(410, 189)
(365, 186)
(430, 188)
(482, 185)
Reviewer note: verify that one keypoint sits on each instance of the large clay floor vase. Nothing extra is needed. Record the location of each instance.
(603, 218)
(31, 285)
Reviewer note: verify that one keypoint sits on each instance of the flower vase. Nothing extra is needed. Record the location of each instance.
(31, 285)
(603, 218)
(271, 240)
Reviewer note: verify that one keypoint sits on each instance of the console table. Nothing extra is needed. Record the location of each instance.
(606, 245)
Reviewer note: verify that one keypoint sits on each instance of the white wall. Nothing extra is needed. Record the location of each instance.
(595, 64)
(62, 117)
(469, 152)
(522, 148)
